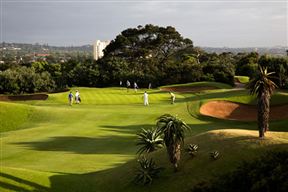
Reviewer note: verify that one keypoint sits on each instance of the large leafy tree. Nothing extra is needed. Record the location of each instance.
(144, 51)
(263, 86)
(173, 129)
(279, 65)
(246, 64)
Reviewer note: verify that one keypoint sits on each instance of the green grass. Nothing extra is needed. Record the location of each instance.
(242, 79)
(203, 84)
(110, 96)
(13, 116)
(91, 146)
(278, 98)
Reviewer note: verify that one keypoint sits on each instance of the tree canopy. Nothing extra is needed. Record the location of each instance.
(141, 54)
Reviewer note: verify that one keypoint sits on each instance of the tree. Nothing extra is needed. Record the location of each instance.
(9, 82)
(279, 65)
(136, 49)
(246, 64)
(173, 129)
(150, 140)
(219, 68)
(263, 87)
(25, 80)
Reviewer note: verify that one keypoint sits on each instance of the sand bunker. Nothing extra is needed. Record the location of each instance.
(184, 89)
(23, 97)
(241, 112)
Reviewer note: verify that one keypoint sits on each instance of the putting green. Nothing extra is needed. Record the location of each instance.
(91, 146)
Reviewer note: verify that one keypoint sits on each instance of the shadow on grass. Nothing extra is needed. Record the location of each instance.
(121, 141)
(120, 178)
(17, 180)
(114, 179)
(84, 145)
(130, 129)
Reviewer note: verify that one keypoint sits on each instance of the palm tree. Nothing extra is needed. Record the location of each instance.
(173, 129)
(263, 87)
(150, 140)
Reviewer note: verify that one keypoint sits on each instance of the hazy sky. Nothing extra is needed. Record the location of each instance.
(230, 23)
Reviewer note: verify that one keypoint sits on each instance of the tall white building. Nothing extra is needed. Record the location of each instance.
(98, 48)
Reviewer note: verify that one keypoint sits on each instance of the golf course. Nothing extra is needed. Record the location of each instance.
(47, 145)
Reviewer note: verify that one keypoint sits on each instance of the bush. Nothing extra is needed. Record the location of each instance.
(9, 82)
(192, 149)
(25, 80)
(146, 172)
(267, 173)
(150, 140)
(214, 155)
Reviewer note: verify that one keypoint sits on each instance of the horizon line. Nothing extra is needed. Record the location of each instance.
(204, 46)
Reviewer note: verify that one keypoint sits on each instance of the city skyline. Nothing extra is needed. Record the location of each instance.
(207, 23)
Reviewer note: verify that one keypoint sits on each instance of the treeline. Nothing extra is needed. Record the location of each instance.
(149, 54)
(43, 76)
(161, 56)
(247, 65)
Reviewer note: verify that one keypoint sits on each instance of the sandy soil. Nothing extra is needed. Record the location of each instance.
(241, 112)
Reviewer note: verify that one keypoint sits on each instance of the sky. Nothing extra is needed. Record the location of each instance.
(213, 23)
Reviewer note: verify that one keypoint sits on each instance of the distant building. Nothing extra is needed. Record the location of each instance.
(98, 48)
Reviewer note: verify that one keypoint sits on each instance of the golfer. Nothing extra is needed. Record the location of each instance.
(77, 97)
(146, 99)
(128, 84)
(135, 87)
(70, 98)
(172, 97)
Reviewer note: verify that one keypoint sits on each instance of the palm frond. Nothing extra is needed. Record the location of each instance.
(150, 140)
(262, 83)
(172, 127)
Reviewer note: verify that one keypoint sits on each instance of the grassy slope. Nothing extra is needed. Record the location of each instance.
(110, 96)
(13, 116)
(234, 145)
(93, 137)
(242, 79)
(84, 147)
(202, 84)
(278, 98)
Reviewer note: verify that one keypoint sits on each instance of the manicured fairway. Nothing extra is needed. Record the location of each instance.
(242, 79)
(91, 147)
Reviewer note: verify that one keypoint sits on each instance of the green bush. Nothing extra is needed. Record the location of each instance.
(146, 172)
(192, 149)
(25, 80)
(150, 140)
(214, 155)
(265, 174)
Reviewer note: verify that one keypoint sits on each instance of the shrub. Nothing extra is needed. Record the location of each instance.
(25, 80)
(150, 140)
(214, 155)
(146, 172)
(192, 149)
